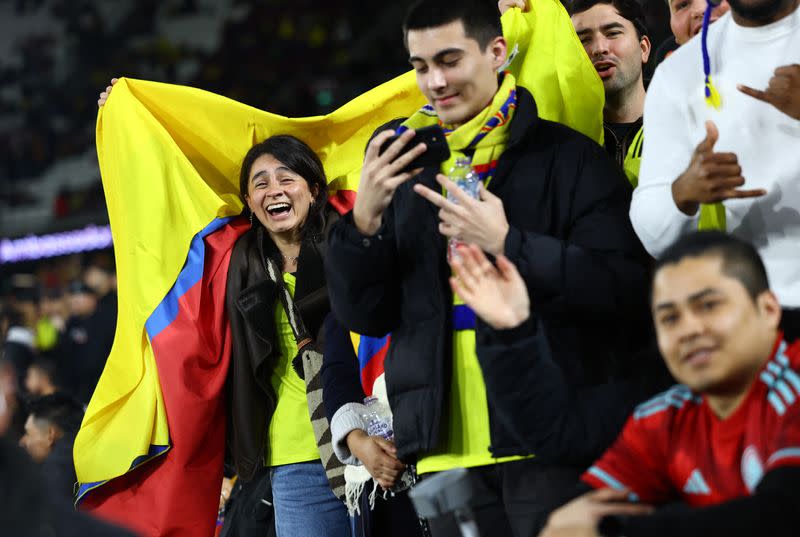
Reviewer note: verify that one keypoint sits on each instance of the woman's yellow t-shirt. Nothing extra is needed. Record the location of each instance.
(291, 438)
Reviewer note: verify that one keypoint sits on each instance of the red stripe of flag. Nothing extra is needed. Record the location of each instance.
(177, 494)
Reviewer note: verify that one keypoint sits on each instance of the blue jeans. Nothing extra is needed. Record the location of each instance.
(304, 504)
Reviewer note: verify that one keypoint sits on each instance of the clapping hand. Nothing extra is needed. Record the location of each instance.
(498, 295)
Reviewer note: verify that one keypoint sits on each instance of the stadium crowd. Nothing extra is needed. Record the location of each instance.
(601, 339)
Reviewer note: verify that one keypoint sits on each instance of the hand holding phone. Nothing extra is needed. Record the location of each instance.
(390, 161)
(437, 150)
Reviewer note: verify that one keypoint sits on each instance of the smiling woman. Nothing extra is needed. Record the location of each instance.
(283, 184)
(276, 297)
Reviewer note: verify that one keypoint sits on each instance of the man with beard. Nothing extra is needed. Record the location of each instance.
(614, 36)
(703, 143)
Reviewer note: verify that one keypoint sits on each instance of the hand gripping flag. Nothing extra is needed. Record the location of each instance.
(150, 449)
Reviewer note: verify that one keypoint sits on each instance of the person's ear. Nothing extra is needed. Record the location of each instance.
(52, 435)
(499, 51)
(770, 309)
(250, 204)
(646, 47)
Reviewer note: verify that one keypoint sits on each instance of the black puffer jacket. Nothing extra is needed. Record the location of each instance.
(571, 239)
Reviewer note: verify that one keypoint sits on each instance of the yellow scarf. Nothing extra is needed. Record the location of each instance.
(486, 134)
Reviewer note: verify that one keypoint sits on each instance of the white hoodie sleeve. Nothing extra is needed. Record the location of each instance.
(668, 148)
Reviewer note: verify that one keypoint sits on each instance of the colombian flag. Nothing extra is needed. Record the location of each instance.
(149, 453)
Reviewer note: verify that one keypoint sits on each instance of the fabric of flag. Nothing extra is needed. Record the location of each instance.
(371, 352)
(178, 493)
(149, 452)
(548, 59)
(169, 157)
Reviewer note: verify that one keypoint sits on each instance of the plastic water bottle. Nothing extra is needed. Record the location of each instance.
(467, 180)
(378, 418)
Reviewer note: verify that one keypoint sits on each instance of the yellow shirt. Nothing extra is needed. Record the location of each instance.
(291, 438)
(466, 442)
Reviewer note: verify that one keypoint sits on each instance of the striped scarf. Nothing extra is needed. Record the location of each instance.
(485, 135)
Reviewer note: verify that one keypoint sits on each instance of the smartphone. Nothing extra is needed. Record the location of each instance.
(435, 141)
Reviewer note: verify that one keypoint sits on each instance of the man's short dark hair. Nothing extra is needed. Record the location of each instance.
(481, 18)
(740, 260)
(59, 410)
(628, 9)
(48, 366)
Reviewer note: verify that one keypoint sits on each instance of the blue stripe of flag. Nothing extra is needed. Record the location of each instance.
(369, 347)
(192, 271)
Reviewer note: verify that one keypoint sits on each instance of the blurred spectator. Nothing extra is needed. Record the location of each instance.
(17, 342)
(9, 402)
(83, 345)
(686, 17)
(40, 379)
(52, 319)
(82, 302)
(50, 429)
(685, 21)
(724, 441)
(26, 509)
(726, 166)
(101, 278)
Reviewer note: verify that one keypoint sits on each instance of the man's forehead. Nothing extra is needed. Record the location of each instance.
(679, 282)
(425, 42)
(597, 16)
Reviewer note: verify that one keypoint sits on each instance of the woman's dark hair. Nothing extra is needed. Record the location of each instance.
(302, 160)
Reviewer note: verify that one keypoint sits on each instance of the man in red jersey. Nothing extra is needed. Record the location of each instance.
(726, 442)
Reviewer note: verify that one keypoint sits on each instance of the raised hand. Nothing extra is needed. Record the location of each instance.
(710, 177)
(783, 90)
(496, 294)
(380, 177)
(104, 95)
(505, 5)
